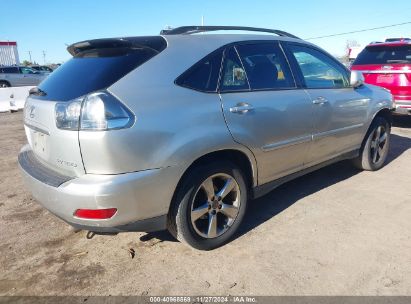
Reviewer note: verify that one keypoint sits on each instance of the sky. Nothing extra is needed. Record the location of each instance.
(51, 25)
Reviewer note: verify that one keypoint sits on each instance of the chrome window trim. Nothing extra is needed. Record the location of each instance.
(37, 129)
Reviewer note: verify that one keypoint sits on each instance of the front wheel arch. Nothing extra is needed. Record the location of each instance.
(384, 113)
(363, 161)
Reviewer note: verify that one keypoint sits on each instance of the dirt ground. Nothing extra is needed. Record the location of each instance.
(337, 231)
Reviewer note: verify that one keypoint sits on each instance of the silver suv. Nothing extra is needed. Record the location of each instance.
(181, 130)
(16, 76)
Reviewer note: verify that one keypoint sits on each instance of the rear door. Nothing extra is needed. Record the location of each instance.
(264, 109)
(340, 111)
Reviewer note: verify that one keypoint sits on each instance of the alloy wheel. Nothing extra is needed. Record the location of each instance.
(378, 143)
(215, 205)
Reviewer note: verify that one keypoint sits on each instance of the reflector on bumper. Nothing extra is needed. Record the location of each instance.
(95, 214)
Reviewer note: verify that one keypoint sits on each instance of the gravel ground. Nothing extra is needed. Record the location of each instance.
(337, 231)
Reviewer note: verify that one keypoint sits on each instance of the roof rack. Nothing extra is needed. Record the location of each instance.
(201, 29)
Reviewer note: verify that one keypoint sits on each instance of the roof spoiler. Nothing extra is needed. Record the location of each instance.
(156, 43)
(97, 44)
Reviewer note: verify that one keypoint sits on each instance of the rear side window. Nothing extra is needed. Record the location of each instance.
(266, 66)
(9, 70)
(93, 70)
(384, 55)
(233, 76)
(204, 75)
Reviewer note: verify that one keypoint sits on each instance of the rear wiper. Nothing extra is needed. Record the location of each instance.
(37, 91)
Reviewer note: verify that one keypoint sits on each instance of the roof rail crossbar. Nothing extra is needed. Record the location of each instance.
(200, 29)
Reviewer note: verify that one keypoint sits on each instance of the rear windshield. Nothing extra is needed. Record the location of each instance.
(93, 70)
(384, 55)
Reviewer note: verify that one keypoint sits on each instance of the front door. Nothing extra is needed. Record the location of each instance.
(340, 111)
(28, 77)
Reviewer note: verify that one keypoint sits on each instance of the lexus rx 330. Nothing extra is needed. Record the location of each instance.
(182, 130)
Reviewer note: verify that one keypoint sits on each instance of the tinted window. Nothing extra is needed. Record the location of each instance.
(92, 70)
(25, 70)
(204, 75)
(319, 70)
(266, 66)
(233, 76)
(384, 55)
(398, 39)
(10, 70)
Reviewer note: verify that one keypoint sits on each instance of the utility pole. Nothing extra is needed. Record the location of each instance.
(30, 55)
(44, 57)
(202, 20)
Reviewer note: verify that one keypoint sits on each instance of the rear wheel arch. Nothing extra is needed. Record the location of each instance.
(232, 164)
(237, 157)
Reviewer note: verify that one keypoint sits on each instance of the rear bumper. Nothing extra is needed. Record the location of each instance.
(142, 198)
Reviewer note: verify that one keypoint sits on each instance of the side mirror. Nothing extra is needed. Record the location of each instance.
(357, 79)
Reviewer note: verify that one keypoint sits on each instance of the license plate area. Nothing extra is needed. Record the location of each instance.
(385, 79)
(40, 143)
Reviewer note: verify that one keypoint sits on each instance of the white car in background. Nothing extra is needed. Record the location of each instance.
(17, 76)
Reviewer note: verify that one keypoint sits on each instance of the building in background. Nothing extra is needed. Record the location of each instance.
(8, 53)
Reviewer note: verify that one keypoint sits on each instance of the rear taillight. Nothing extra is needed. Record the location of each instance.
(67, 115)
(99, 111)
(95, 214)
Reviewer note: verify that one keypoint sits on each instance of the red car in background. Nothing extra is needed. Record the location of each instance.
(388, 65)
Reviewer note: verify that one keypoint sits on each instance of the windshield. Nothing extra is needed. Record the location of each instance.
(384, 55)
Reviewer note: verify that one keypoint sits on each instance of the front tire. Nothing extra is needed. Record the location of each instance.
(4, 84)
(374, 150)
(209, 205)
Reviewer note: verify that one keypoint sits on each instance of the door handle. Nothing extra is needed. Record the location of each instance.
(320, 101)
(241, 108)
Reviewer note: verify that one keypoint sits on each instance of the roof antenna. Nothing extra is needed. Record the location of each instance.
(202, 23)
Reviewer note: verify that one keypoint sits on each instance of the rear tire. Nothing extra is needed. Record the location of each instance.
(4, 84)
(375, 147)
(208, 206)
